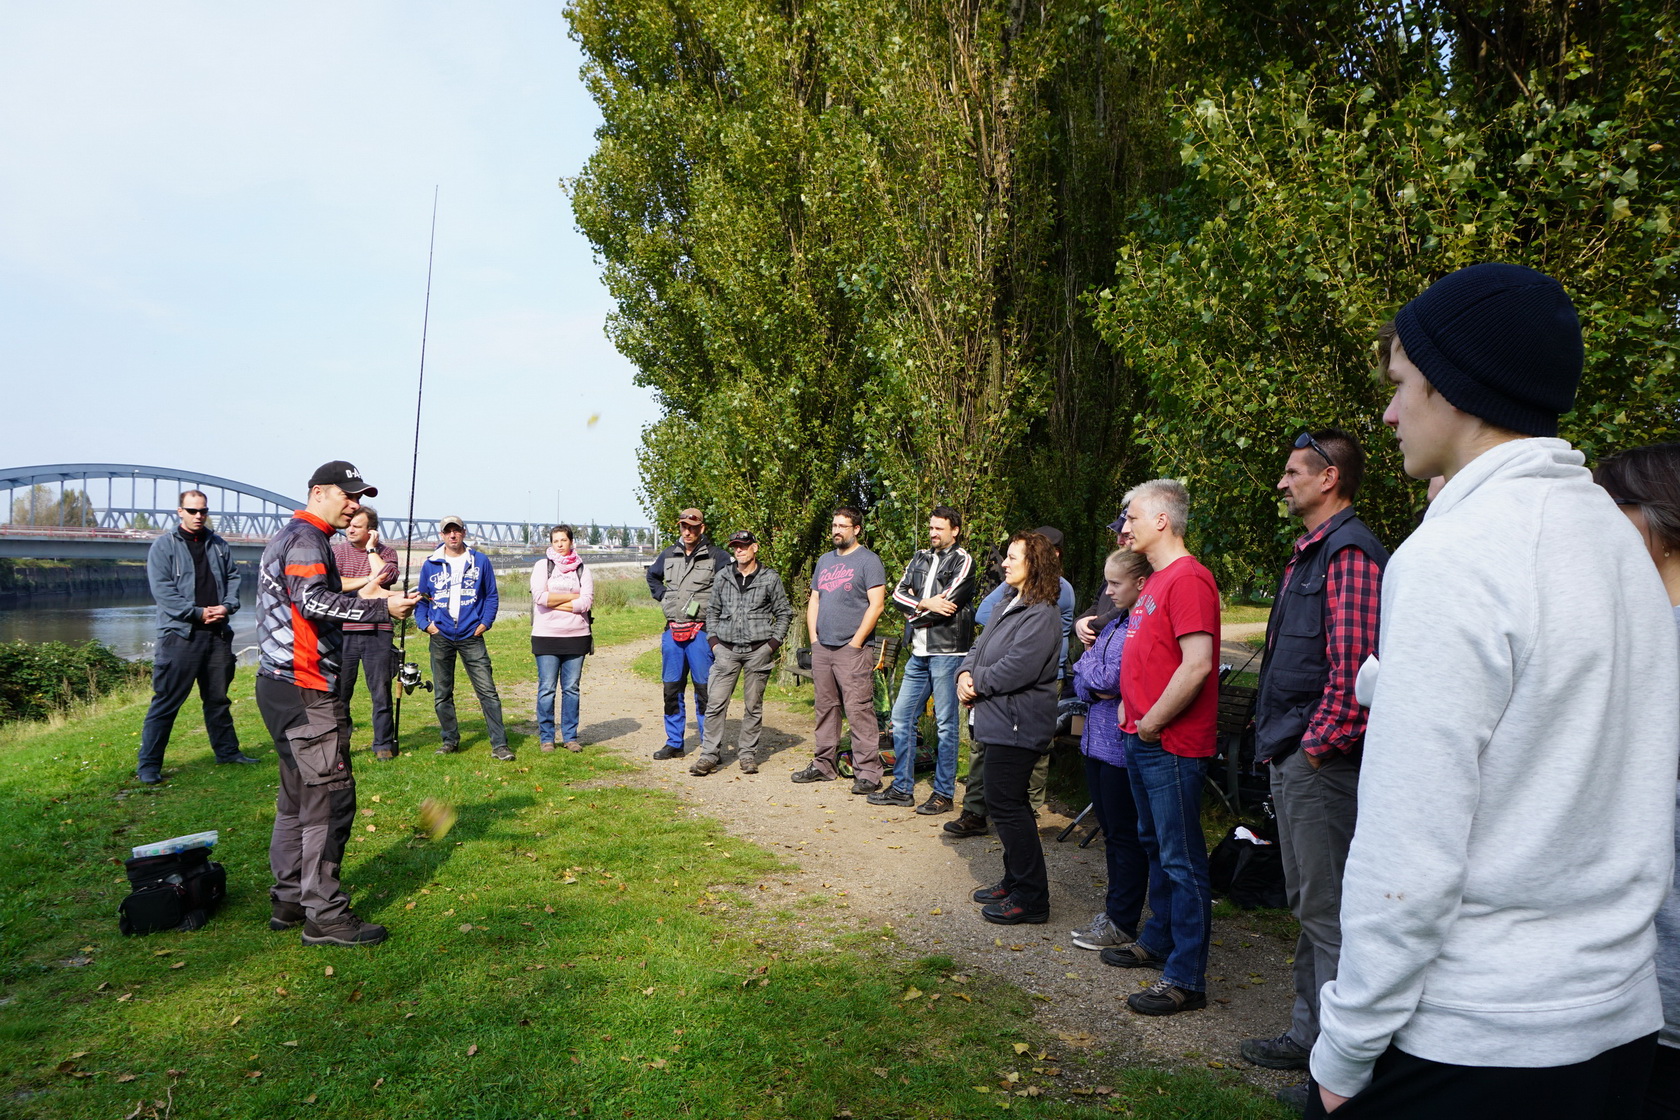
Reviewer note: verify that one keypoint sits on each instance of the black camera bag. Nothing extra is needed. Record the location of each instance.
(175, 891)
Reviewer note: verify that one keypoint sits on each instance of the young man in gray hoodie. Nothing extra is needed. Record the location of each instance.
(1515, 799)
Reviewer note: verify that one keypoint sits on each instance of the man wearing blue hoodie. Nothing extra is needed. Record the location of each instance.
(457, 605)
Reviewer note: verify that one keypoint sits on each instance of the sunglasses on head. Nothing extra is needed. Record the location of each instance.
(1305, 439)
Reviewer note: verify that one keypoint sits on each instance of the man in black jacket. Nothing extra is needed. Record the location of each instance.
(746, 623)
(935, 594)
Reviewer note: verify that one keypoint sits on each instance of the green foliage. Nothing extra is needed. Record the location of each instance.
(41, 679)
(43, 507)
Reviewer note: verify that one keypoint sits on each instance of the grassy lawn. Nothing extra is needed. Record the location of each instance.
(1244, 612)
(571, 948)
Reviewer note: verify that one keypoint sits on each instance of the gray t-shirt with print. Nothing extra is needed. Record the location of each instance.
(842, 585)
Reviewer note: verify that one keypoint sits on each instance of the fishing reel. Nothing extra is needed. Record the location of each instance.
(409, 678)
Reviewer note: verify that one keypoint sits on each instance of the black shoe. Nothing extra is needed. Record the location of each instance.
(348, 930)
(1281, 1052)
(1132, 955)
(994, 893)
(668, 752)
(935, 804)
(859, 785)
(1162, 998)
(449, 748)
(811, 774)
(1295, 1096)
(241, 758)
(892, 795)
(285, 916)
(1010, 913)
(968, 824)
(150, 777)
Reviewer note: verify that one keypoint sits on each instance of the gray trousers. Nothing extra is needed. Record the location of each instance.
(1316, 810)
(313, 814)
(846, 676)
(728, 663)
(476, 658)
(974, 796)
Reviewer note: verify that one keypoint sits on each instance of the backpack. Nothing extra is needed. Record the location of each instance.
(1248, 871)
(175, 891)
(588, 615)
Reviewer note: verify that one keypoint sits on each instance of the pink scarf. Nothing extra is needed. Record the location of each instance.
(568, 563)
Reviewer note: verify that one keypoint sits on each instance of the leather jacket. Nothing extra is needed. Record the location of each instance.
(956, 579)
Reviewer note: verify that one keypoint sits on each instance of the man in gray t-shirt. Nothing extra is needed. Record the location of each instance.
(848, 593)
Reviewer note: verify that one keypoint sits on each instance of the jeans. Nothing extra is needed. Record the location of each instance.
(567, 673)
(1130, 870)
(678, 663)
(924, 676)
(1024, 874)
(730, 662)
(204, 658)
(477, 661)
(1168, 792)
(371, 648)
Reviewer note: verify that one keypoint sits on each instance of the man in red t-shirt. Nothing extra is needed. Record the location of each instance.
(1169, 712)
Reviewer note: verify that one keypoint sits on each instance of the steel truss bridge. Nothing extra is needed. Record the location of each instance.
(114, 510)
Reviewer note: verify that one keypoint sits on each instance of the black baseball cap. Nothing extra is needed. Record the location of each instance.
(1118, 523)
(1051, 534)
(344, 476)
(743, 537)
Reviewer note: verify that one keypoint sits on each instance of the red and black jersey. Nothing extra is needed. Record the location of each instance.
(302, 608)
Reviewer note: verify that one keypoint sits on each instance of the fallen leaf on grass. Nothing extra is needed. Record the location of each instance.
(473, 1049)
(281, 992)
(103, 986)
(658, 1063)
(125, 997)
(125, 1078)
(1021, 1048)
(356, 996)
(162, 952)
(466, 927)
(293, 1042)
(328, 971)
(179, 964)
(254, 1074)
(310, 1099)
(912, 993)
(647, 991)
(964, 996)
(378, 1083)
(236, 1019)
(410, 906)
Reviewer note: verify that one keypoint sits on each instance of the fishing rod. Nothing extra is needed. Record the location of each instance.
(408, 673)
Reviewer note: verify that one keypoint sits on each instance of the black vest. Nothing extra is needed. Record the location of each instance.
(1293, 676)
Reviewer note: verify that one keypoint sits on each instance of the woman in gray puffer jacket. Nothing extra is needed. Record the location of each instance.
(1008, 682)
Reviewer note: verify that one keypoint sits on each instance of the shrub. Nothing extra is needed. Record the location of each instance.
(37, 680)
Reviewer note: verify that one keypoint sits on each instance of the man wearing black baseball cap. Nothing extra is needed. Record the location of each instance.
(301, 607)
(747, 620)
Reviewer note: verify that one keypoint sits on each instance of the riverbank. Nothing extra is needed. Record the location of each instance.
(24, 580)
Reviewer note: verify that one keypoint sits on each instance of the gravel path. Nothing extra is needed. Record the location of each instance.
(888, 866)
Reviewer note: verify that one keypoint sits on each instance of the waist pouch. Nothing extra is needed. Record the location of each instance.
(684, 631)
(175, 891)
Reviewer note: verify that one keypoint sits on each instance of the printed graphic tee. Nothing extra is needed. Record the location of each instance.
(1180, 599)
(842, 585)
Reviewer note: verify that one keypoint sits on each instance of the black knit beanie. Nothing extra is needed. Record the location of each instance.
(1499, 341)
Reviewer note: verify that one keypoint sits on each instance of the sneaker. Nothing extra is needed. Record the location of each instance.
(1010, 913)
(546, 748)
(859, 785)
(968, 824)
(1132, 955)
(935, 804)
(574, 746)
(150, 777)
(1101, 934)
(285, 915)
(449, 748)
(502, 754)
(811, 774)
(348, 930)
(1162, 998)
(668, 752)
(993, 893)
(702, 766)
(240, 758)
(1281, 1052)
(749, 764)
(892, 795)
(1295, 1096)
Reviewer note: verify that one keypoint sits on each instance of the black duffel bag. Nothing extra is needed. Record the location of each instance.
(175, 891)
(1250, 874)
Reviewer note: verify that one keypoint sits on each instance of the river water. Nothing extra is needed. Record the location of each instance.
(126, 623)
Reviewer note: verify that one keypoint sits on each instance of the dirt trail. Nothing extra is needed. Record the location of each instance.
(900, 869)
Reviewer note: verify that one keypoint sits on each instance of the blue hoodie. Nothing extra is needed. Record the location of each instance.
(478, 596)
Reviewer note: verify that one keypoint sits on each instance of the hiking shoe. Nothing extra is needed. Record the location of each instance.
(385, 755)
(968, 824)
(150, 777)
(546, 748)
(1162, 998)
(859, 785)
(285, 915)
(749, 764)
(502, 754)
(449, 748)
(241, 759)
(892, 795)
(1281, 1052)
(811, 774)
(348, 930)
(935, 804)
(1011, 913)
(1295, 1096)
(668, 752)
(1101, 934)
(703, 766)
(1132, 955)
(574, 746)
(994, 893)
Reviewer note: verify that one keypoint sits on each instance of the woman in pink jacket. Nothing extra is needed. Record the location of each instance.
(562, 592)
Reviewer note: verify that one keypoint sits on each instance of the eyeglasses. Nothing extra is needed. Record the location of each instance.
(190, 512)
(1305, 439)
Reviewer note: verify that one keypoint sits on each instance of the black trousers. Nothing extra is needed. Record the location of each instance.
(372, 649)
(1662, 1099)
(1608, 1086)
(1008, 773)
(201, 657)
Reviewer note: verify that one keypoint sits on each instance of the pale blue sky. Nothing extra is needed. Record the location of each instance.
(213, 225)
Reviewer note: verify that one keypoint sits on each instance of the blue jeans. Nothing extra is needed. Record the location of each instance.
(678, 663)
(1168, 792)
(566, 672)
(922, 676)
(1130, 870)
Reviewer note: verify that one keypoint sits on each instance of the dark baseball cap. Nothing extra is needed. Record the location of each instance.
(1118, 523)
(691, 516)
(344, 476)
(743, 537)
(1054, 536)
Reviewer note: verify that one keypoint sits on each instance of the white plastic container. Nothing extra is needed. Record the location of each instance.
(178, 844)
